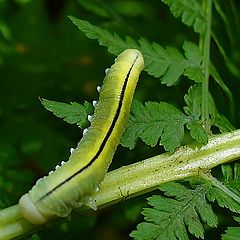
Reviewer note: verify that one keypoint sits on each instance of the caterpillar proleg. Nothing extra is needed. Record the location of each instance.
(72, 184)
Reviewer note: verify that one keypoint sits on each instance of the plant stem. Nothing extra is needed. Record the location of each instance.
(207, 9)
(141, 177)
(12, 223)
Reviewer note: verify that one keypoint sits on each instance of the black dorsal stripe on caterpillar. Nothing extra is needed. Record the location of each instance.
(72, 184)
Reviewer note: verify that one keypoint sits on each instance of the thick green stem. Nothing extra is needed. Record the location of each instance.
(141, 177)
(207, 8)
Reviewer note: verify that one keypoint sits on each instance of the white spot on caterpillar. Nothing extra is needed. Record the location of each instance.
(98, 88)
(85, 131)
(72, 150)
(94, 103)
(50, 172)
(62, 162)
(97, 189)
(89, 117)
(57, 167)
(89, 201)
(38, 180)
(106, 70)
(44, 177)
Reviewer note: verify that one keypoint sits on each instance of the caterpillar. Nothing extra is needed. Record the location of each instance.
(72, 183)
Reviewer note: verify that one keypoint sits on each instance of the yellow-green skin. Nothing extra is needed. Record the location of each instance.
(72, 184)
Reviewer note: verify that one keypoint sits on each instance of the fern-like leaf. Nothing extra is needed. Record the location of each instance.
(190, 12)
(114, 43)
(232, 176)
(232, 233)
(155, 122)
(227, 194)
(167, 63)
(152, 121)
(181, 211)
(73, 113)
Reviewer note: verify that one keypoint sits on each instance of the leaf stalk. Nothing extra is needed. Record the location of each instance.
(206, 39)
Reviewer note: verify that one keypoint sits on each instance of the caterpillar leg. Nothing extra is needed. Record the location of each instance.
(30, 211)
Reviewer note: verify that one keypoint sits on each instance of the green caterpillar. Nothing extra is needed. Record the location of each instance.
(72, 184)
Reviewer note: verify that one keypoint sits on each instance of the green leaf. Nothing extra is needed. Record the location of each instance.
(232, 233)
(155, 122)
(227, 194)
(227, 172)
(73, 113)
(152, 122)
(167, 63)
(193, 101)
(223, 199)
(194, 69)
(197, 132)
(173, 215)
(114, 43)
(193, 110)
(190, 12)
(232, 177)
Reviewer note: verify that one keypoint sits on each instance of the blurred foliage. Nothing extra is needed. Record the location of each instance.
(42, 54)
